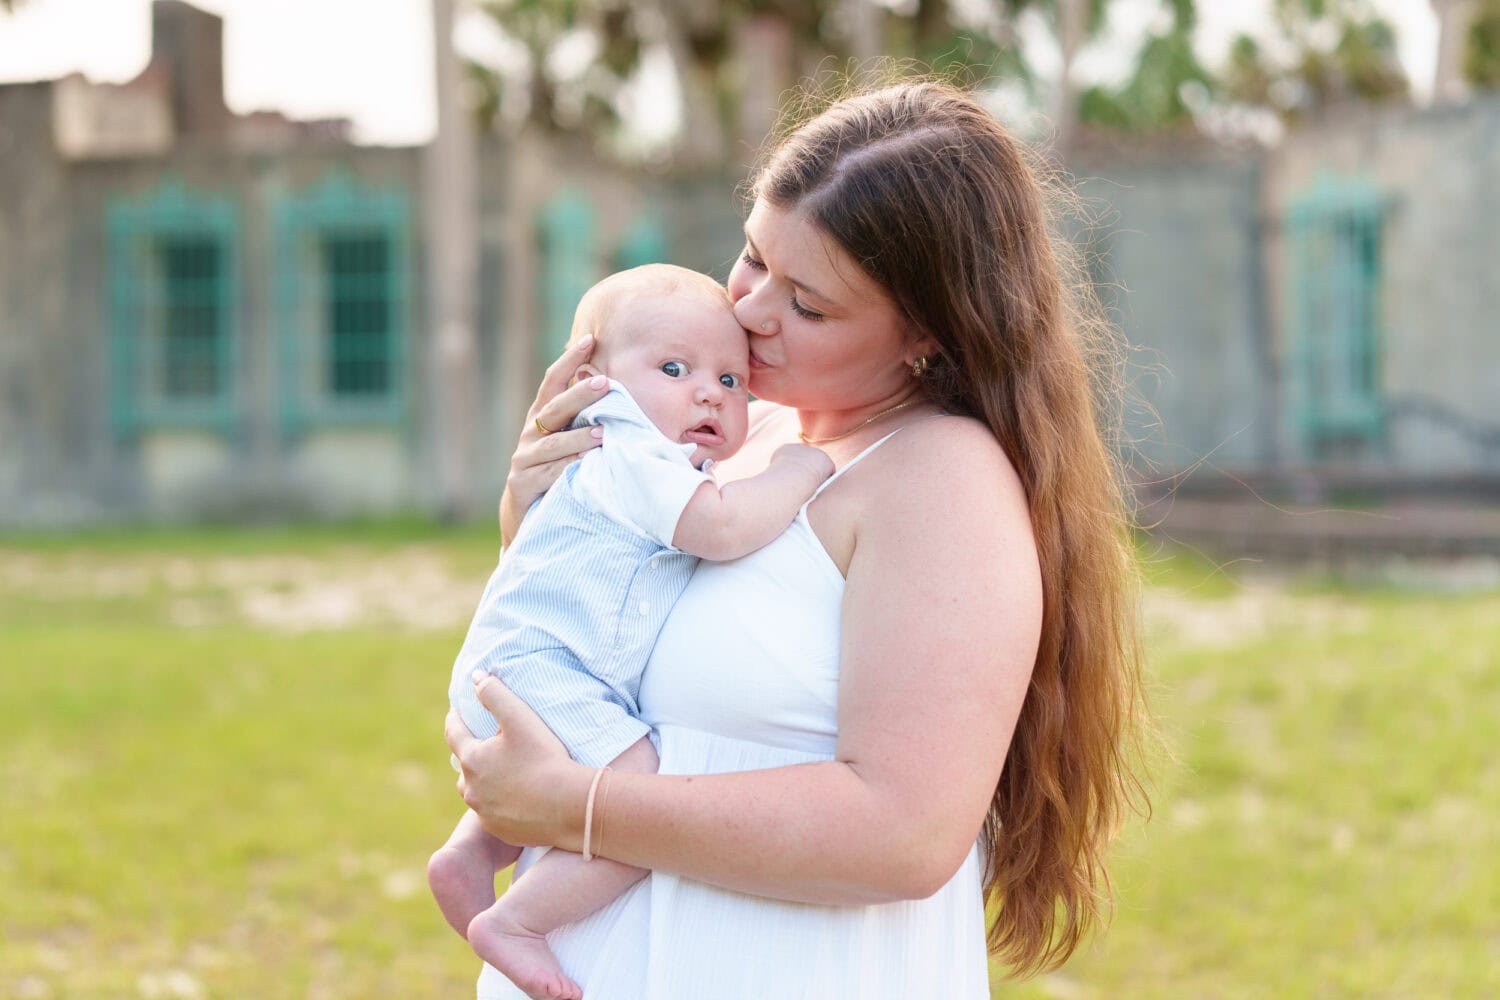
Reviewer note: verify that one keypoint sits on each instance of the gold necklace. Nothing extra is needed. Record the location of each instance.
(859, 426)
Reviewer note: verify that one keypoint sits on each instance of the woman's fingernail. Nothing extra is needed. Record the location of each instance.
(476, 676)
(586, 341)
(598, 382)
(597, 431)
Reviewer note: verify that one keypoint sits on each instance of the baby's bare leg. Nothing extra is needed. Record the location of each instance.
(559, 889)
(461, 873)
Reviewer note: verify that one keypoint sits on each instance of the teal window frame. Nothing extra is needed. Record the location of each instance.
(567, 239)
(162, 295)
(1335, 231)
(643, 242)
(343, 314)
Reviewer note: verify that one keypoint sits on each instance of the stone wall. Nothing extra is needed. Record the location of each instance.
(61, 458)
(1186, 248)
(1440, 305)
(48, 381)
(1174, 250)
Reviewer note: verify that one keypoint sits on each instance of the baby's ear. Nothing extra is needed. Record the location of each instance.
(582, 372)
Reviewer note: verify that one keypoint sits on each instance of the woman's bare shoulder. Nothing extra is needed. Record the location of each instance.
(955, 464)
(946, 444)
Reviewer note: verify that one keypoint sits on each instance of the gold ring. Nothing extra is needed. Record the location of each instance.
(539, 427)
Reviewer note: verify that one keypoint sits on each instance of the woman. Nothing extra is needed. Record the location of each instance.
(919, 696)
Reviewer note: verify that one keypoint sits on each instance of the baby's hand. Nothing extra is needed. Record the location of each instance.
(807, 457)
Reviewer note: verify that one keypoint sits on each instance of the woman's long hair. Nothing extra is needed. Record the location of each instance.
(929, 193)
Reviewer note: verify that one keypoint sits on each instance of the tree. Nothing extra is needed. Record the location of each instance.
(704, 39)
(451, 203)
(1360, 64)
(735, 58)
(1156, 96)
(580, 100)
(1072, 23)
(1482, 46)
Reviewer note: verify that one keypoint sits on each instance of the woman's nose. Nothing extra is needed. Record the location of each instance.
(752, 315)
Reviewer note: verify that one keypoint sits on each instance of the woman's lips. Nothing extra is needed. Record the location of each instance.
(756, 362)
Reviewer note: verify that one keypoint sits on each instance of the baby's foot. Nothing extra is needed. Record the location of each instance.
(463, 883)
(522, 956)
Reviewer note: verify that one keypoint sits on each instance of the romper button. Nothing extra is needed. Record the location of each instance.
(645, 608)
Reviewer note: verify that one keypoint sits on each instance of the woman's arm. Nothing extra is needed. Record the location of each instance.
(540, 458)
(942, 611)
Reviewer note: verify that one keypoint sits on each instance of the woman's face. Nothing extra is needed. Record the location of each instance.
(823, 334)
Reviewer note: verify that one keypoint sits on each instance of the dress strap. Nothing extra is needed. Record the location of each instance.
(852, 463)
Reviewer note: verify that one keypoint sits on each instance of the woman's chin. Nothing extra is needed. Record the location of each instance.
(765, 385)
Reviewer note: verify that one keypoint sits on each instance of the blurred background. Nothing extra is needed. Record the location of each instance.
(277, 281)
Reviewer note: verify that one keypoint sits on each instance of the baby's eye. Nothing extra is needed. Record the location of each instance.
(673, 369)
(729, 381)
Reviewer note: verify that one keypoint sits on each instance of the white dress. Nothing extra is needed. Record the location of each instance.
(745, 676)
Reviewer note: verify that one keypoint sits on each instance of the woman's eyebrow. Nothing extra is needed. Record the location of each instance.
(802, 285)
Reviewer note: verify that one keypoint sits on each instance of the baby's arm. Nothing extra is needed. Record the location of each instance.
(736, 519)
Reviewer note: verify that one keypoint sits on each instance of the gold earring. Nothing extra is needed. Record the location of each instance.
(918, 368)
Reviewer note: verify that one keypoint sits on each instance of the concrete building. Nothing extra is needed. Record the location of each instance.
(205, 314)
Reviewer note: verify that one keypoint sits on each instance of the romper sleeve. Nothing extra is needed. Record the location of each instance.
(637, 477)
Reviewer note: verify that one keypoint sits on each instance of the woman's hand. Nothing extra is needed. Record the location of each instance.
(522, 783)
(541, 457)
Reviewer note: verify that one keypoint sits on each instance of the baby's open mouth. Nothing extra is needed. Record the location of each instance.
(706, 433)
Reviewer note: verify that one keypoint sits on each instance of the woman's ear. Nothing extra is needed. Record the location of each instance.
(922, 346)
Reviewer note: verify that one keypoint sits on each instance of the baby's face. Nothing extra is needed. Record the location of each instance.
(686, 361)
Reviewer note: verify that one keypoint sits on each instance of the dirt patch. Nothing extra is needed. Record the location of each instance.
(1254, 610)
(413, 586)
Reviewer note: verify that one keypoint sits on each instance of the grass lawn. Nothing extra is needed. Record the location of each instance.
(223, 773)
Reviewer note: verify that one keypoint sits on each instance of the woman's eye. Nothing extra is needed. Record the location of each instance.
(804, 313)
(729, 381)
(674, 369)
(750, 261)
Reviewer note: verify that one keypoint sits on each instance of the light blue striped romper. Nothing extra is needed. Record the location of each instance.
(569, 616)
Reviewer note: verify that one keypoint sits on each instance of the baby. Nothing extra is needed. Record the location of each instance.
(569, 617)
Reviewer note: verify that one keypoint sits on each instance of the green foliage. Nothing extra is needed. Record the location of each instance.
(1094, 18)
(582, 101)
(1247, 78)
(1482, 46)
(1361, 63)
(1366, 58)
(964, 51)
(1156, 97)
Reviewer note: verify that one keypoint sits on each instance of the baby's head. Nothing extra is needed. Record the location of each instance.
(669, 336)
